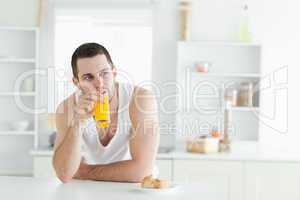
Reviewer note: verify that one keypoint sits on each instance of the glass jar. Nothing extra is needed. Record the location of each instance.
(231, 96)
(245, 94)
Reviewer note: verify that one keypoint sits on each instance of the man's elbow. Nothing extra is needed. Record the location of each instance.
(64, 178)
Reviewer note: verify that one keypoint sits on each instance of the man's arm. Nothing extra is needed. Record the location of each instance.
(143, 145)
(67, 156)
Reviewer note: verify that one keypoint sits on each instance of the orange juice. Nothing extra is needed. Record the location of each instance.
(101, 112)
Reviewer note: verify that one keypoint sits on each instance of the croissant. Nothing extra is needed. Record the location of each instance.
(150, 182)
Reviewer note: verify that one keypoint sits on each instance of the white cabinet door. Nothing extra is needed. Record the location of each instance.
(42, 166)
(224, 178)
(165, 169)
(272, 180)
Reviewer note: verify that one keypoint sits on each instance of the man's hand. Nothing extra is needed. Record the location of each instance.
(82, 171)
(85, 105)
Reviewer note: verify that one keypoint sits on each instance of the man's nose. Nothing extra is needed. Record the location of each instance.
(98, 82)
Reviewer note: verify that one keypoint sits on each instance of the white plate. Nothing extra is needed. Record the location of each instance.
(173, 188)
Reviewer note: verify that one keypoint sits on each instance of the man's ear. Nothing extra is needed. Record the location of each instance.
(75, 81)
(114, 71)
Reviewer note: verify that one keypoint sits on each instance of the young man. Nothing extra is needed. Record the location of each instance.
(124, 151)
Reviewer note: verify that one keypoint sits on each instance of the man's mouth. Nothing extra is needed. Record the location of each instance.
(102, 91)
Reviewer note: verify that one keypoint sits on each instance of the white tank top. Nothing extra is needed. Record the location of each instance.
(93, 152)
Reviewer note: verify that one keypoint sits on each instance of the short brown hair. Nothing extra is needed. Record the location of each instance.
(88, 50)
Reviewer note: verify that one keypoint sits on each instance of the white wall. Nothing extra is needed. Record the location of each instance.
(293, 48)
(280, 36)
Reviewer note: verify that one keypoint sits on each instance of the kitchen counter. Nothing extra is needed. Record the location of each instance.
(16, 188)
(240, 151)
(250, 171)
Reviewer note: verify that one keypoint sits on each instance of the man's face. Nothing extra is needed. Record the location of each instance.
(96, 72)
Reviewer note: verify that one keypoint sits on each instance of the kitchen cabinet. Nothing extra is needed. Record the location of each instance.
(225, 176)
(19, 60)
(272, 180)
(42, 167)
(248, 180)
(200, 99)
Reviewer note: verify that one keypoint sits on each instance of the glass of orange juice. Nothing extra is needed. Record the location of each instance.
(101, 112)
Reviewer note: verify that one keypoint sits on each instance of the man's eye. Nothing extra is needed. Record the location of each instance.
(105, 74)
(87, 78)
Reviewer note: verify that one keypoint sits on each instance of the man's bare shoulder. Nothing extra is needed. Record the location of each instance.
(64, 107)
(143, 102)
(141, 91)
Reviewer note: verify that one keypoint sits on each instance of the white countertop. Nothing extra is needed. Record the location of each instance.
(28, 188)
(241, 151)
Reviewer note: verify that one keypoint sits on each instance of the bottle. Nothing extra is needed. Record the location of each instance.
(101, 112)
(244, 32)
(184, 14)
(226, 141)
(245, 94)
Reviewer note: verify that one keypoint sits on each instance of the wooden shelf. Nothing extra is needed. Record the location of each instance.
(17, 60)
(234, 109)
(11, 132)
(227, 75)
(245, 109)
(19, 28)
(219, 43)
